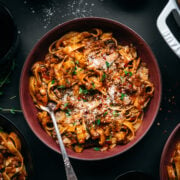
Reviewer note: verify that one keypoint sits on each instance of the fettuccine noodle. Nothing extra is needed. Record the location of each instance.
(11, 160)
(173, 168)
(99, 86)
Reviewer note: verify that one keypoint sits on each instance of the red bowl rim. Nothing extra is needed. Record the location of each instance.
(108, 21)
(168, 145)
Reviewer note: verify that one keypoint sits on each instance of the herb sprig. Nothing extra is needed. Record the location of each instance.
(6, 78)
(11, 110)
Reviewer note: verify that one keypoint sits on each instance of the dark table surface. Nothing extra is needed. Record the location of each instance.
(36, 17)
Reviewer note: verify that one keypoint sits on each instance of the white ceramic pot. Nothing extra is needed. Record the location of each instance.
(171, 6)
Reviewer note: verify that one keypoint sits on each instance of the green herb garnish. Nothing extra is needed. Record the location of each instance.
(122, 79)
(61, 87)
(80, 90)
(93, 85)
(84, 100)
(107, 64)
(115, 113)
(103, 77)
(77, 62)
(53, 81)
(130, 73)
(98, 122)
(68, 112)
(74, 72)
(126, 73)
(109, 138)
(5, 79)
(80, 69)
(66, 104)
(83, 91)
(96, 148)
(122, 96)
(12, 110)
(105, 113)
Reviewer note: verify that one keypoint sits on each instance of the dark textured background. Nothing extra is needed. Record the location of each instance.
(36, 17)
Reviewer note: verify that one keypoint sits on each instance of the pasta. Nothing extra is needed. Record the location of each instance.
(100, 89)
(11, 161)
(173, 168)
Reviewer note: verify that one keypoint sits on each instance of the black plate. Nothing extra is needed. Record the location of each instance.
(8, 127)
(8, 35)
(131, 175)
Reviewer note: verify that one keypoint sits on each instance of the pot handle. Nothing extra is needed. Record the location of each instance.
(164, 29)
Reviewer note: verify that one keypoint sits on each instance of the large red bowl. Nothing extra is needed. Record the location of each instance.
(168, 150)
(125, 35)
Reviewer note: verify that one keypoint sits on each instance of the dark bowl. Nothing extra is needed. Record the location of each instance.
(8, 127)
(8, 35)
(124, 35)
(168, 150)
(139, 175)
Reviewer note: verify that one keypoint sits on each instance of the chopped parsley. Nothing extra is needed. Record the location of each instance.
(80, 69)
(105, 113)
(96, 148)
(66, 104)
(68, 112)
(122, 96)
(61, 87)
(126, 73)
(122, 79)
(83, 91)
(74, 72)
(77, 62)
(109, 138)
(115, 113)
(103, 77)
(93, 85)
(107, 64)
(53, 81)
(80, 90)
(98, 122)
(130, 73)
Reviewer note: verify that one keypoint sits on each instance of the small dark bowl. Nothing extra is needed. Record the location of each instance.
(8, 127)
(9, 37)
(125, 36)
(134, 175)
(168, 150)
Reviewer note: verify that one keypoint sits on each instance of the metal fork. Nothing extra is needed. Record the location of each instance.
(70, 174)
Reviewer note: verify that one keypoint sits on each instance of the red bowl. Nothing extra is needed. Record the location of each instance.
(126, 36)
(168, 150)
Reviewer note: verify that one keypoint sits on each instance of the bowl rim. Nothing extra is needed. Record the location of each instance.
(167, 145)
(108, 21)
(25, 144)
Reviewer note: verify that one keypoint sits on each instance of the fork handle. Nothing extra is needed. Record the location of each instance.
(70, 174)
